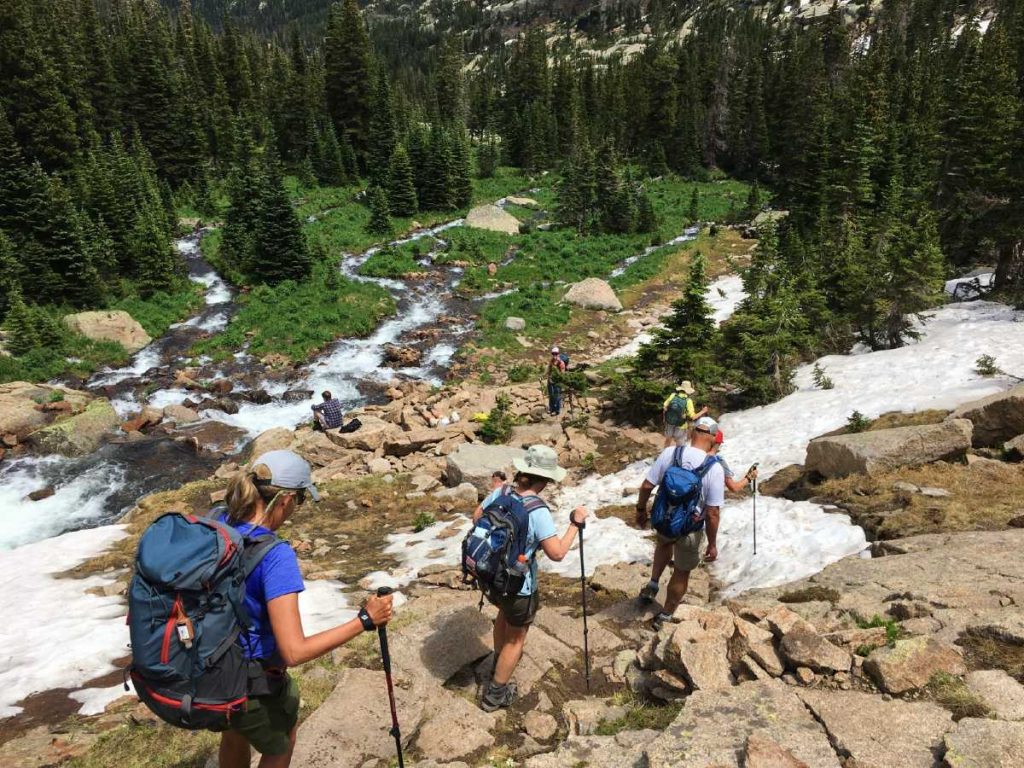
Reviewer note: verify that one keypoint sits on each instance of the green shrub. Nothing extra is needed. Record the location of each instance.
(893, 631)
(821, 380)
(391, 263)
(517, 374)
(498, 427)
(56, 396)
(423, 520)
(857, 422)
(986, 366)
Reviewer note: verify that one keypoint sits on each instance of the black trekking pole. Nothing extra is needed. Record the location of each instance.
(586, 629)
(382, 633)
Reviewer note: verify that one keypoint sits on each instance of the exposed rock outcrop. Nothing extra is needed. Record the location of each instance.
(109, 325)
(593, 293)
(80, 434)
(474, 463)
(883, 450)
(492, 218)
(996, 418)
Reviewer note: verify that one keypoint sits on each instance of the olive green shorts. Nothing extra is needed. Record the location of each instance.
(267, 721)
(685, 550)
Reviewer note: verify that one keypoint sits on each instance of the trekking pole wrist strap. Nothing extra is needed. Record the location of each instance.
(365, 620)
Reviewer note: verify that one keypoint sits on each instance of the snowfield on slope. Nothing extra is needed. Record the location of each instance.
(795, 539)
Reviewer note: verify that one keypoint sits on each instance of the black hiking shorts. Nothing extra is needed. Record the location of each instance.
(518, 610)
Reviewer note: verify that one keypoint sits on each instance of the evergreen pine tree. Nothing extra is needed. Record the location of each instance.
(22, 337)
(383, 136)
(487, 159)
(448, 82)
(348, 88)
(380, 214)
(10, 274)
(693, 209)
(461, 192)
(401, 188)
(279, 248)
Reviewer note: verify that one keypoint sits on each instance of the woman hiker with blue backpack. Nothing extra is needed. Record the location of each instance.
(202, 582)
(691, 491)
(511, 526)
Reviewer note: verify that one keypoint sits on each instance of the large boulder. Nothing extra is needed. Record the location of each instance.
(492, 218)
(474, 463)
(700, 656)
(593, 293)
(876, 733)
(404, 443)
(809, 649)
(109, 325)
(23, 406)
(370, 436)
(996, 418)
(887, 449)
(911, 662)
(80, 434)
(274, 439)
(180, 414)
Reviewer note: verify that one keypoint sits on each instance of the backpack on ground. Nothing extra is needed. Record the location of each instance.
(678, 508)
(675, 415)
(494, 551)
(185, 614)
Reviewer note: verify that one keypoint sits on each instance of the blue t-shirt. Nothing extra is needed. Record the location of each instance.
(541, 527)
(277, 574)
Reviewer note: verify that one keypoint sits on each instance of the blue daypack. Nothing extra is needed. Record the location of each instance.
(494, 551)
(678, 508)
(185, 614)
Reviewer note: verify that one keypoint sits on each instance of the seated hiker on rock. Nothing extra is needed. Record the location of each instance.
(516, 612)
(731, 483)
(691, 491)
(328, 414)
(258, 502)
(678, 413)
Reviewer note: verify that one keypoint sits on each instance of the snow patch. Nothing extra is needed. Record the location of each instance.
(47, 645)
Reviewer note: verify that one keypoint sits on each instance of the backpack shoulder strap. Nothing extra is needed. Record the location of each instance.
(677, 456)
(709, 462)
(533, 502)
(256, 548)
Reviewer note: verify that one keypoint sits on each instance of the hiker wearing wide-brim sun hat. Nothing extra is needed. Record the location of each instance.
(259, 500)
(534, 471)
(678, 413)
(540, 461)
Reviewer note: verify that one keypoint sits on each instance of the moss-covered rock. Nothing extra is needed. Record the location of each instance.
(80, 434)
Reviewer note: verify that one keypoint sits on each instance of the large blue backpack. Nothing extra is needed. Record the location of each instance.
(185, 616)
(678, 508)
(494, 552)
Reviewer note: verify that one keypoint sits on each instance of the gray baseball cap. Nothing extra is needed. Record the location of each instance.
(706, 424)
(288, 470)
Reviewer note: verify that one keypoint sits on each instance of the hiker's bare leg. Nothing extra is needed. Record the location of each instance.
(500, 625)
(234, 750)
(280, 761)
(511, 653)
(662, 556)
(676, 589)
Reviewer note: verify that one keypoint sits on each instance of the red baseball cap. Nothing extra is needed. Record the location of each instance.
(719, 436)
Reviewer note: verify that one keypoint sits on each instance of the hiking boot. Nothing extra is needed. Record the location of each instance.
(649, 593)
(661, 619)
(498, 696)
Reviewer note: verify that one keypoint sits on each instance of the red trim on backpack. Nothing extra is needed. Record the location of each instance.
(229, 546)
(227, 707)
(165, 647)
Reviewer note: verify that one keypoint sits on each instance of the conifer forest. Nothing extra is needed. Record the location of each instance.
(892, 133)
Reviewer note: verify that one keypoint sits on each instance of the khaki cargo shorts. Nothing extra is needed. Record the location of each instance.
(685, 550)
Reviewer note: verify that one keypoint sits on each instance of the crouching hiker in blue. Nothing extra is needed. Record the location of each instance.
(516, 611)
(258, 503)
